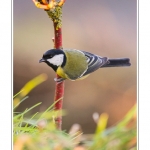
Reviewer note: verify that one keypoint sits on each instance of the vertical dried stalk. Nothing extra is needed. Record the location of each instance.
(59, 87)
(54, 11)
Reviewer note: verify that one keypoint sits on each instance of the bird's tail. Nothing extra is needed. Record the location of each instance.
(120, 62)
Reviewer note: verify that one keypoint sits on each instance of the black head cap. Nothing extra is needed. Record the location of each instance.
(51, 53)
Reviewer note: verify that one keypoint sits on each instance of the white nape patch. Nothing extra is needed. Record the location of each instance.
(57, 60)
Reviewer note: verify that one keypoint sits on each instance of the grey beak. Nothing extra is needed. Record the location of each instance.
(41, 60)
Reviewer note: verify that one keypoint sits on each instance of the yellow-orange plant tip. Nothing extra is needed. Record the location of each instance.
(16, 101)
(105, 115)
(45, 1)
(61, 2)
(44, 76)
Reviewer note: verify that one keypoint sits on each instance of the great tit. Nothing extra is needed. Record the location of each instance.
(76, 64)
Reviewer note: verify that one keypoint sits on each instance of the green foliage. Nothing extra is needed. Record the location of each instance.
(122, 136)
(38, 132)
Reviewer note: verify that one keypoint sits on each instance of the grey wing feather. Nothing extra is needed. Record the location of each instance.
(94, 62)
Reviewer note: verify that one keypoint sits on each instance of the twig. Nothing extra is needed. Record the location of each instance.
(54, 11)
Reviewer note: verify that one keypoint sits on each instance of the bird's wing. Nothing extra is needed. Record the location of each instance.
(94, 62)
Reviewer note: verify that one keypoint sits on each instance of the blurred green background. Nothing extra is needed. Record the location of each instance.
(104, 27)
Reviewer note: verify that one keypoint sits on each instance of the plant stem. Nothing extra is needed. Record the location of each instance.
(58, 37)
(54, 11)
(59, 87)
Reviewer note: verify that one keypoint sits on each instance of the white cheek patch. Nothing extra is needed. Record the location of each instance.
(57, 60)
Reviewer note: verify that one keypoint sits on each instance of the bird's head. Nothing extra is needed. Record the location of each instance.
(54, 58)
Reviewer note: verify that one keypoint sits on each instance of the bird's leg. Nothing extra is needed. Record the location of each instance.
(59, 80)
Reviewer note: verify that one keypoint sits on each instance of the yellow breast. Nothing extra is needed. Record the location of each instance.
(61, 73)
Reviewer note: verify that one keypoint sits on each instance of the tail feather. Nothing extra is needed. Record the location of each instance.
(117, 62)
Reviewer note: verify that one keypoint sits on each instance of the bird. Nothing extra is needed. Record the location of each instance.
(76, 64)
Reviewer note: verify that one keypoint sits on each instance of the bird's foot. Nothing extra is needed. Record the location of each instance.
(58, 80)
